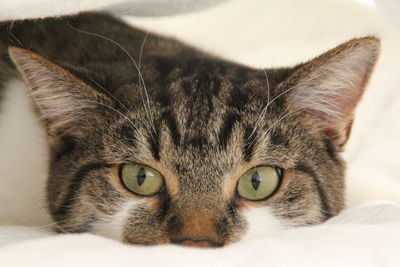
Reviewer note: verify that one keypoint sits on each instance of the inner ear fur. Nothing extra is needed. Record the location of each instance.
(66, 103)
(329, 87)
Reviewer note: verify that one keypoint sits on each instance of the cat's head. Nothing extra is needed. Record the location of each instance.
(197, 150)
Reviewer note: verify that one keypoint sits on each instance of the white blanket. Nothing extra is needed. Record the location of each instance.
(364, 236)
(32, 9)
(263, 33)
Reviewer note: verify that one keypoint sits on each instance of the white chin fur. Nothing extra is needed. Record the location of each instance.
(260, 222)
(113, 226)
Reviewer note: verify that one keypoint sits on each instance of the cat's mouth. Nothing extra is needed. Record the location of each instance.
(205, 243)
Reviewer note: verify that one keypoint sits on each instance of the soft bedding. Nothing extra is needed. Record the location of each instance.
(264, 33)
(363, 236)
(25, 9)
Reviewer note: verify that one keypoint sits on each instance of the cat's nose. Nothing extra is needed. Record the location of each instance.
(198, 243)
(195, 228)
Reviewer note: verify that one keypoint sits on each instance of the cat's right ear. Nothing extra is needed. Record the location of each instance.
(66, 103)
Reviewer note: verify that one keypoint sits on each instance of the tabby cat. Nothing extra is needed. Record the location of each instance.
(152, 141)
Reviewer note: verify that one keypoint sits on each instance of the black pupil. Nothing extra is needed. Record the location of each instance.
(141, 176)
(255, 180)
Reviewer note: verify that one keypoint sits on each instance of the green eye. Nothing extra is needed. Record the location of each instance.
(141, 180)
(258, 183)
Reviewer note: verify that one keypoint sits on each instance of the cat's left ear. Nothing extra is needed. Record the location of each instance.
(329, 87)
(66, 103)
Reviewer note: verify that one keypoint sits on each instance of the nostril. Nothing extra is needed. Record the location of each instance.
(198, 243)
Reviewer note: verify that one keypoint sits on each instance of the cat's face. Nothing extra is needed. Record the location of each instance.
(210, 152)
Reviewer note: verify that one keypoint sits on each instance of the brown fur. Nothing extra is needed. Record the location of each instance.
(198, 120)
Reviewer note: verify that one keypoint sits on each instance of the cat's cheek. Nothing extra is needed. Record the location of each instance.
(113, 226)
(260, 221)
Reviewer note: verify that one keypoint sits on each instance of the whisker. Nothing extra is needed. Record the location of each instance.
(280, 118)
(52, 221)
(109, 93)
(144, 85)
(113, 109)
(268, 86)
(142, 47)
(147, 108)
(264, 111)
(45, 215)
(15, 38)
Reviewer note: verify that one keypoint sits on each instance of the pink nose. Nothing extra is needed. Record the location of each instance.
(198, 243)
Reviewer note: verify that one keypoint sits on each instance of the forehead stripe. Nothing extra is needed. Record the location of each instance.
(227, 127)
(154, 136)
(171, 123)
(154, 141)
(249, 143)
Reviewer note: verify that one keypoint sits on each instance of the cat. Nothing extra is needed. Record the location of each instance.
(152, 141)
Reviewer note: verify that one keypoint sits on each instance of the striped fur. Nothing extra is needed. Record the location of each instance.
(199, 120)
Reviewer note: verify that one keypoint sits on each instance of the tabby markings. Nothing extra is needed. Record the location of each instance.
(75, 185)
(326, 209)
